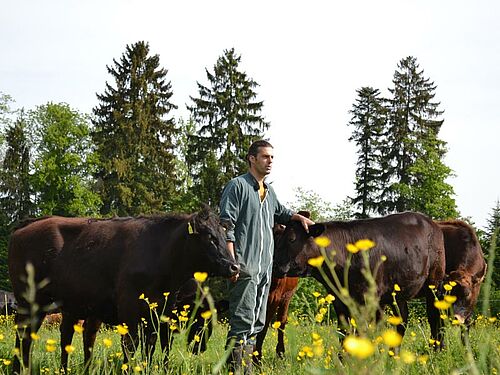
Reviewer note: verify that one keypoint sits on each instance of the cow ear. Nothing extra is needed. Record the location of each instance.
(316, 230)
(305, 214)
(205, 211)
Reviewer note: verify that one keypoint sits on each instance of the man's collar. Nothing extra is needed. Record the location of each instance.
(255, 183)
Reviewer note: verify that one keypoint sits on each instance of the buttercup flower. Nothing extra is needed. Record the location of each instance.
(276, 325)
(206, 314)
(392, 338)
(69, 349)
(351, 248)
(397, 288)
(441, 305)
(122, 329)
(200, 276)
(107, 342)
(322, 241)
(78, 328)
(395, 320)
(359, 347)
(364, 245)
(450, 299)
(316, 262)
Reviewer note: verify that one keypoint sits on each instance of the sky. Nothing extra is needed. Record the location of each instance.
(309, 58)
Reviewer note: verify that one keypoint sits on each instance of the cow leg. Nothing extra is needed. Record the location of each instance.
(90, 328)
(149, 342)
(26, 326)
(67, 330)
(270, 313)
(435, 322)
(282, 317)
(130, 342)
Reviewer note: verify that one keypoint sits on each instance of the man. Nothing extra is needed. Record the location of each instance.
(249, 207)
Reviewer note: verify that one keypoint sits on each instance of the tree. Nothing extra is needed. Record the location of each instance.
(492, 225)
(134, 136)
(5, 120)
(412, 142)
(15, 186)
(368, 120)
(63, 162)
(228, 121)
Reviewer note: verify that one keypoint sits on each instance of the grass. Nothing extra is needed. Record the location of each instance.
(311, 348)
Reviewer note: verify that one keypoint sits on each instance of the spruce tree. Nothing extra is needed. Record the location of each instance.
(412, 142)
(368, 120)
(134, 135)
(492, 225)
(228, 119)
(15, 187)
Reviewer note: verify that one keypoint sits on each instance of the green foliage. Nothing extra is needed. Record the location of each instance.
(320, 209)
(228, 120)
(368, 119)
(134, 136)
(492, 225)
(63, 162)
(15, 187)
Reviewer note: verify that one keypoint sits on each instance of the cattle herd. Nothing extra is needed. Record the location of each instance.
(95, 270)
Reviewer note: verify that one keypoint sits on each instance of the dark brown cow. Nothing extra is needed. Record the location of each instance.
(412, 243)
(97, 269)
(465, 265)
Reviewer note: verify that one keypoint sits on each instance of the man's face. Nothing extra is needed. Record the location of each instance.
(263, 161)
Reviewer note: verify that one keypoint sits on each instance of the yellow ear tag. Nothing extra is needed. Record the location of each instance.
(190, 229)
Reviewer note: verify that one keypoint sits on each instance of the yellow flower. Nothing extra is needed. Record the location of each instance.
(34, 336)
(321, 301)
(319, 317)
(395, 320)
(153, 305)
(69, 349)
(137, 369)
(124, 367)
(200, 276)
(353, 322)
(392, 338)
(492, 319)
(166, 294)
(6, 362)
(315, 336)
(441, 305)
(432, 287)
(185, 307)
(359, 347)
(383, 258)
(397, 288)
(316, 294)
(276, 325)
(329, 298)
(455, 322)
(50, 348)
(51, 341)
(1, 337)
(322, 241)
(423, 359)
(307, 350)
(78, 328)
(107, 343)
(452, 283)
(447, 287)
(364, 245)
(142, 296)
(206, 314)
(316, 262)
(450, 299)
(351, 248)
(122, 329)
(196, 338)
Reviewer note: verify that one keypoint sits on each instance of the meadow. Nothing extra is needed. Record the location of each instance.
(313, 347)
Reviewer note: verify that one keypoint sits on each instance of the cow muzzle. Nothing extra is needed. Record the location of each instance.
(460, 318)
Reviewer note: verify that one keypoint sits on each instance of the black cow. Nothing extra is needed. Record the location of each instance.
(97, 269)
(411, 242)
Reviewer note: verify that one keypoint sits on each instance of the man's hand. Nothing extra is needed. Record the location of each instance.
(230, 249)
(306, 222)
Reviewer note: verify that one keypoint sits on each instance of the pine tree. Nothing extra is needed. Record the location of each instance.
(134, 136)
(15, 187)
(63, 162)
(368, 120)
(492, 225)
(412, 142)
(228, 119)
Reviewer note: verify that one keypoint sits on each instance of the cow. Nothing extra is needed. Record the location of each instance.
(96, 270)
(465, 265)
(411, 244)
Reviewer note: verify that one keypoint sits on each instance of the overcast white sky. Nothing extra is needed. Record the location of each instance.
(309, 58)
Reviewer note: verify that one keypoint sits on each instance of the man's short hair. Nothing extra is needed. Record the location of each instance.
(254, 148)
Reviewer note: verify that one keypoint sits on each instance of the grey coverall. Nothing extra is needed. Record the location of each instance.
(250, 224)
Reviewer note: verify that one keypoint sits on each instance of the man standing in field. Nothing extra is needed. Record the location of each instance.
(250, 208)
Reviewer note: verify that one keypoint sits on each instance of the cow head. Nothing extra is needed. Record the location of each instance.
(467, 288)
(294, 247)
(208, 243)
